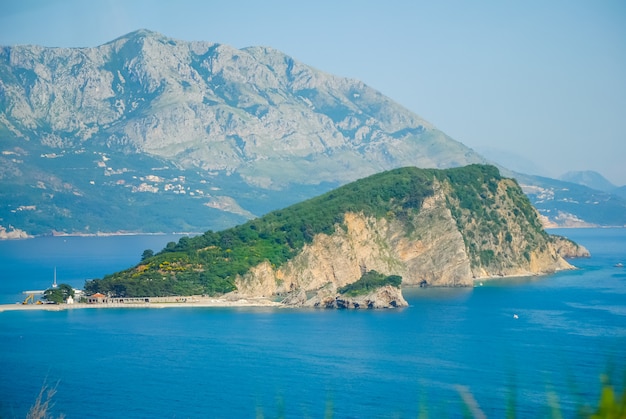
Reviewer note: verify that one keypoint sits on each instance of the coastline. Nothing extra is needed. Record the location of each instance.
(196, 302)
(208, 302)
(233, 301)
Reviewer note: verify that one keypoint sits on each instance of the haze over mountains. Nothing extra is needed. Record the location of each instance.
(147, 133)
(589, 178)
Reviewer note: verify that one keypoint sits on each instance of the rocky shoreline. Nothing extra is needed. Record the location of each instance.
(384, 297)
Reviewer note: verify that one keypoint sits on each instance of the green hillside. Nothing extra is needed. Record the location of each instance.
(209, 263)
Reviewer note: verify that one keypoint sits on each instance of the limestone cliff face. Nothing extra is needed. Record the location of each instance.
(568, 249)
(432, 247)
(436, 255)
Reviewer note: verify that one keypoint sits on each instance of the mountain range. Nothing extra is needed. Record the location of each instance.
(151, 134)
(590, 178)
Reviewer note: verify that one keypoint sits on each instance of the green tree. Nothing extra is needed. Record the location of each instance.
(148, 253)
(58, 295)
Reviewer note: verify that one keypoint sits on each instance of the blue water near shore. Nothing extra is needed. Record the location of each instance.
(253, 362)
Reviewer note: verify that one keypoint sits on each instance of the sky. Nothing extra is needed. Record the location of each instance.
(539, 86)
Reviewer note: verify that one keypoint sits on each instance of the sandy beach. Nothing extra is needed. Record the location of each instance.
(191, 302)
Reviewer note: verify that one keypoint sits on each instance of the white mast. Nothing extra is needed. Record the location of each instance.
(54, 284)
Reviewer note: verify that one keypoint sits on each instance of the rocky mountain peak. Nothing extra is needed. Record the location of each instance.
(214, 107)
(251, 126)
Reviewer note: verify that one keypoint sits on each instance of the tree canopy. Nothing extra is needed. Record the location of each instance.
(59, 294)
(369, 282)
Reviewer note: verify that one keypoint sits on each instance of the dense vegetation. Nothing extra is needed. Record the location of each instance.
(369, 282)
(59, 295)
(481, 215)
(209, 263)
(60, 197)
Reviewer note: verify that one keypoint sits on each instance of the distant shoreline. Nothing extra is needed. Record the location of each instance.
(195, 233)
(98, 234)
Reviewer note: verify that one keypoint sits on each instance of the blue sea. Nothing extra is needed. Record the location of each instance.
(450, 345)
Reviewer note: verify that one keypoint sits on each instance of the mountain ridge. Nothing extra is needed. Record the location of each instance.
(589, 178)
(146, 120)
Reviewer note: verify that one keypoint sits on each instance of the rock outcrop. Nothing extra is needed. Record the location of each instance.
(12, 233)
(383, 297)
(568, 249)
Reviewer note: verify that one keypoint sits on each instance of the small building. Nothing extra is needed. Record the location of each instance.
(99, 298)
(96, 298)
(70, 300)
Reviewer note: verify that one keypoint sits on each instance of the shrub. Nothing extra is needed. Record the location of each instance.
(369, 282)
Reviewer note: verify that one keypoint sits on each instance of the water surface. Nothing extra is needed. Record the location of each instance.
(248, 362)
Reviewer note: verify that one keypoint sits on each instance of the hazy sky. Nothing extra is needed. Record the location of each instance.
(536, 82)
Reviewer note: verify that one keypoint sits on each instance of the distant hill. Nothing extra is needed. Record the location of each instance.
(566, 204)
(429, 227)
(512, 161)
(589, 178)
(621, 192)
(152, 134)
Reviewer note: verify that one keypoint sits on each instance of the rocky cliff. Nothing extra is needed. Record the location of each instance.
(383, 297)
(442, 244)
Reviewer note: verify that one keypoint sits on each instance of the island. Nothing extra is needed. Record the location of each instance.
(357, 246)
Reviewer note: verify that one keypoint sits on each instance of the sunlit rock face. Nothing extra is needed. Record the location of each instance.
(432, 248)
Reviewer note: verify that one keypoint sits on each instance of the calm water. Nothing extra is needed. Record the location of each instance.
(210, 362)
